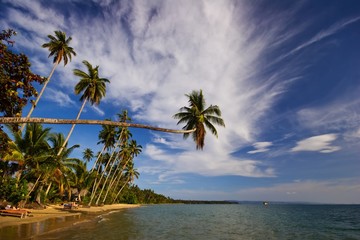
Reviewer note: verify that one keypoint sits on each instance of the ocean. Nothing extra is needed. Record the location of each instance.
(203, 221)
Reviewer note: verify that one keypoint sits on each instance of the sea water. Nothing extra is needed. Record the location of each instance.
(228, 221)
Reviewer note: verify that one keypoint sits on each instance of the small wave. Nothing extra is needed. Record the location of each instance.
(103, 220)
(111, 212)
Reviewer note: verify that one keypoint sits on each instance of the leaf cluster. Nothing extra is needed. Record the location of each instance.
(16, 81)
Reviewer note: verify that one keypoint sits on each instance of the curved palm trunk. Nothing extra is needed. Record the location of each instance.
(101, 177)
(117, 195)
(7, 120)
(113, 180)
(97, 159)
(40, 94)
(47, 190)
(119, 143)
(72, 128)
(106, 180)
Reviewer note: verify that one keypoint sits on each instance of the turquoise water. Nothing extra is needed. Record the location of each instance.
(240, 221)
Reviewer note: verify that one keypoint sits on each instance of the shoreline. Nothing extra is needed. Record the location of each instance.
(58, 216)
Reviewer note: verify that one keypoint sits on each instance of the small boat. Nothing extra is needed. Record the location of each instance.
(265, 203)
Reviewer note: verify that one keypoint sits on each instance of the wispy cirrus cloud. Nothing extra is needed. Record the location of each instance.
(321, 35)
(59, 97)
(341, 114)
(261, 147)
(321, 143)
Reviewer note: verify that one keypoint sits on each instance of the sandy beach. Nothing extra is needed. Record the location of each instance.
(56, 211)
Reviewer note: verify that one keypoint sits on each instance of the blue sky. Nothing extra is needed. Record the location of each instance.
(285, 74)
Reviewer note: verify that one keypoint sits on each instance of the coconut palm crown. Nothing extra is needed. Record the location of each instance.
(94, 88)
(59, 47)
(196, 116)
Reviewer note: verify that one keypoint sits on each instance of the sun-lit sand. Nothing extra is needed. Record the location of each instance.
(54, 211)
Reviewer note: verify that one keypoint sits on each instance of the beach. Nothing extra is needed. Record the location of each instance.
(58, 211)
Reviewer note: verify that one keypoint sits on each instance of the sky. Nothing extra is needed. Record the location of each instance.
(285, 75)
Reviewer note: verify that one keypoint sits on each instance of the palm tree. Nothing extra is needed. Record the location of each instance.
(88, 154)
(130, 175)
(124, 135)
(93, 88)
(30, 148)
(60, 49)
(107, 137)
(61, 165)
(197, 116)
(81, 179)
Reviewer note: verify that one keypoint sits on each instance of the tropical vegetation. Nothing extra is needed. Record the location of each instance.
(36, 163)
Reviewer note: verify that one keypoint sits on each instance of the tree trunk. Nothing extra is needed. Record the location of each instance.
(31, 190)
(102, 175)
(72, 128)
(98, 157)
(113, 180)
(117, 195)
(7, 120)
(39, 96)
(38, 195)
(48, 189)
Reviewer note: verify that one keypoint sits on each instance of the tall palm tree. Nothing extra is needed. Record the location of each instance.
(93, 88)
(198, 116)
(60, 49)
(88, 154)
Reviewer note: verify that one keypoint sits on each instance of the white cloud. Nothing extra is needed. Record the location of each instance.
(58, 97)
(260, 147)
(98, 110)
(206, 163)
(338, 115)
(321, 143)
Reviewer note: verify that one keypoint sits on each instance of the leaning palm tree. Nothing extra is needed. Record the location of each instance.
(197, 116)
(93, 88)
(60, 49)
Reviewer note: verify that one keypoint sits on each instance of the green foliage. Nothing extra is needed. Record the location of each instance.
(197, 117)
(130, 198)
(135, 195)
(16, 82)
(12, 191)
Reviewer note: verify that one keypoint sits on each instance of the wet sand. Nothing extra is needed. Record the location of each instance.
(54, 217)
